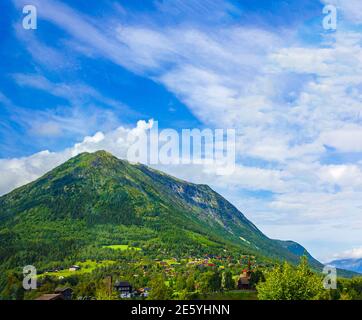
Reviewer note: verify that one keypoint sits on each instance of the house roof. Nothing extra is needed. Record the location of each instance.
(122, 284)
(51, 296)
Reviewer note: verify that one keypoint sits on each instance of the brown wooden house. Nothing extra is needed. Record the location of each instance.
(244, 280)
(51, 296)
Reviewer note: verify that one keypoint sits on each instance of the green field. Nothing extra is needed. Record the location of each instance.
(121, 247)
(87, 266)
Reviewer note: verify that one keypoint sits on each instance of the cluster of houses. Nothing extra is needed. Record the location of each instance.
(169, 268)
(201, 263)
(123, 288)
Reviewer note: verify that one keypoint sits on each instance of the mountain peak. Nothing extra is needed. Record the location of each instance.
(103, 153)
(103, 195)
(96, 154)
(99, 158)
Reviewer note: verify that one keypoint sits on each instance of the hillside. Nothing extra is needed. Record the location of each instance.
(298, 250)
(94, 200)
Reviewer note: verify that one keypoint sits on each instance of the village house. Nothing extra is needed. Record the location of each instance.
(244, 280)
(74, 268)
(124, 288)
(65, 292)
(50, 296)
(59, 294)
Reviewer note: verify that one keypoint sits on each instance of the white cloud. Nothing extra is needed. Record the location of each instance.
(346, 176)
(18, 171)
(345, 139)
(355, 253)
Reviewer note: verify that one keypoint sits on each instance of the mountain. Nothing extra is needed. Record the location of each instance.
(298, 250)
(95, 199)
(354, 265)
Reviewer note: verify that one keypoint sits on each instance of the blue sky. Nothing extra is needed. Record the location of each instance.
(49, 53)
(93, 71)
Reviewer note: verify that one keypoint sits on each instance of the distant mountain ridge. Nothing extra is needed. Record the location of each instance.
(96, 199)
(354, 265)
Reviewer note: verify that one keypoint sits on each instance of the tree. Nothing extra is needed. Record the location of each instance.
(103, 291)
(14, 289)
(190, 283)
(86, 289)
(289, 283)
(227, 282)
(159, 289)
(215, 282)
(348, 289)
(210, 282)
(256, 277)
(180, 282)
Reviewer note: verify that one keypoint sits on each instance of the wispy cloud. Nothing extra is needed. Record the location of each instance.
(82, 110)
(75, 93)
(53, 59)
